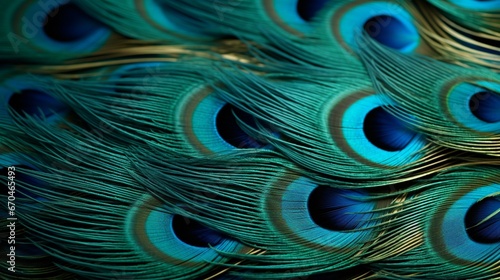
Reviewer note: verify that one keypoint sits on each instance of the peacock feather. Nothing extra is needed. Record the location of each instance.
(48, 31)
(463, 114)
(250, 139)
(149, 20)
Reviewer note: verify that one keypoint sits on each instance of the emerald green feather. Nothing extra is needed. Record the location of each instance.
(48, 32)
(280, 139)
(450, 104)
(442, 241)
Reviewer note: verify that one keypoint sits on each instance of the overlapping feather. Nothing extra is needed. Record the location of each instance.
(338, 140)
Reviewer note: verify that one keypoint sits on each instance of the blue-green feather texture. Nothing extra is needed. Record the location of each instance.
(457, 233)
(293, 217)
(21, 94)
(461, 30)
(49, 31)
(250, 139)
(149, 20)
(251, 19)
(343, 126)
(462, 113)
(481, 15)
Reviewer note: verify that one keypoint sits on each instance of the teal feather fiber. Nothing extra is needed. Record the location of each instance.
(114, 191)
(449, 204)
(480, 16)
(249, 139)
(312, 135)
(454, 117)
(49, 31)
(121, 104)
(248, 19)
(148, 20)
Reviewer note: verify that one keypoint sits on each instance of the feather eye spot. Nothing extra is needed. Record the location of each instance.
(387, 23)
(229, 129)
(308, 9)
(483, 221)
(391, 32)
(485, 106)
(386, 131)
(337, 209)
(37, 103)
(195, 234)
(68, 23)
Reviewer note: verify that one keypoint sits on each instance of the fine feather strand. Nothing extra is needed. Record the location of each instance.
(442, 97)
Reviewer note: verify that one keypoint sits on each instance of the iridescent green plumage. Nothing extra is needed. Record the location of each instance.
(257, 139)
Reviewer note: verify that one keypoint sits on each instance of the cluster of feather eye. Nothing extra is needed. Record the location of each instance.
(243, 139)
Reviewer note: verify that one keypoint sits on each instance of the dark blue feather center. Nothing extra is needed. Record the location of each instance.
(479, 229)
(69, 23)
(37, 103)
(390, 31)
(386, 131)
(195, 234)
(486, 106)
(229, 129)
(338, 209)
(308, 9)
